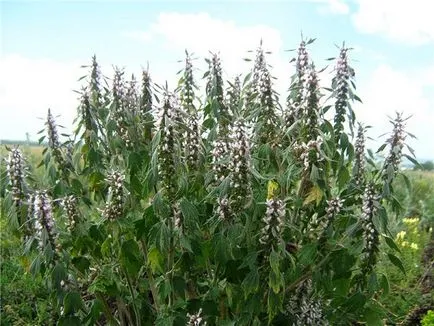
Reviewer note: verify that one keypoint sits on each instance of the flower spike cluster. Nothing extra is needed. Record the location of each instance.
(305, 309)
(370, 233)
(396, 142)
(273, 221)
(309, 153)
(114, 207)
(334, 207)
(44, 221)
(70, 204)
(167, 146)
(15, 170)
(341, 83)
(196, 319)
(296, 99)
(240, 167)
(119, 113)
(359, 164)
(187, 100)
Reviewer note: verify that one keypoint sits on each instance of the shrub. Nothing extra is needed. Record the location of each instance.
(167, 210)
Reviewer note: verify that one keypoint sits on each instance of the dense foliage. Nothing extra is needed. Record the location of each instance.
(167, 207)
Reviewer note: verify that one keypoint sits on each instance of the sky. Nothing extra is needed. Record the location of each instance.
(43, 45)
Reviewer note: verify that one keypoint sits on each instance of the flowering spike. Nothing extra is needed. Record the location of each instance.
(220, 158)
(273, 220)
(311, 110)
(187, 97)
(15, 170)
(192, 142)
(166, 149)
(53, 136)
(145, 105)
(131, 97)
(396, 142)
(234, 96)
(370, 234)
(267, 119)
(334, 207)
(359, 164)
(70, 204)
(195, 319)
(114, 207)
(224, 210)
(44, 221)
(95, 84)
(240, 167)
(296, 97)
(309, 153)
(258, 68)
(119, 112)
(305, 309)
(215, 92)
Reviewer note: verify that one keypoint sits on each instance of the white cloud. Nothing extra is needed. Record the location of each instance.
(200, 33)
(28, 87)
(389, 90)
(405, 21)
(333, 6)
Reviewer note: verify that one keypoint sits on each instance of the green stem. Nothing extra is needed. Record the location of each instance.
(107, 311)
(136, 310)
(151, 278)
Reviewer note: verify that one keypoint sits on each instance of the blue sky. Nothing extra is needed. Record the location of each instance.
(45, 43)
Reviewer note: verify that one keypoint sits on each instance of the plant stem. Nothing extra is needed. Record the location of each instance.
(136, 310)
(151, 278)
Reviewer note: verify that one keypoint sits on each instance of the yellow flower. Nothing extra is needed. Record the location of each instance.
(414, 246)
(404, 243)
(400, 235)
(410, 221)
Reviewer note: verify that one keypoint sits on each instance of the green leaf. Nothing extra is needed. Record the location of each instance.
(251, 282)
(179, 286)
(397, 262)
(95, 311)
(315, 195)
(72, 303)
(381, 148)
(130, 257)
(275, 281)
(189, 212)
(355, 302)
(221, 249)
(165, 289)
(70, 321)
(274, 305)
(384, 284)
(81, 263)
(391, 243)
(106, 247)
(155, 260)
(341, 286)
(307, 254)
(58, 274)
(185, 243)
(249, 260)
(274, 261)
(412, 160)
(373, 318)
(343, 177)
